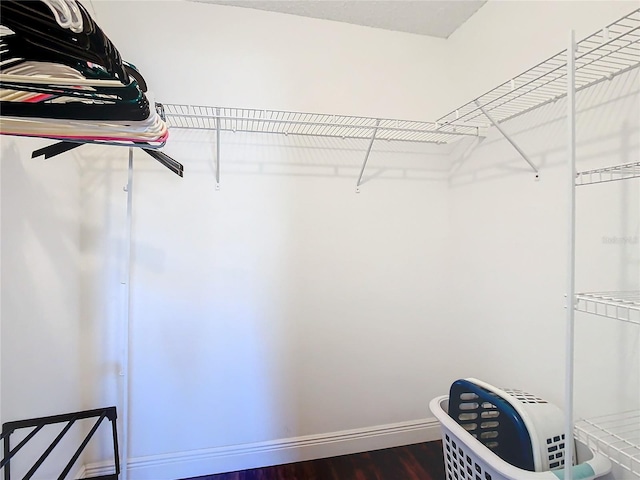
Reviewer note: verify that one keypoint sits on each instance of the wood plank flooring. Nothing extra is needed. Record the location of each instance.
(422, 461)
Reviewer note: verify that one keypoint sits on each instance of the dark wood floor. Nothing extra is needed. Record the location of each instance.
(422, 461)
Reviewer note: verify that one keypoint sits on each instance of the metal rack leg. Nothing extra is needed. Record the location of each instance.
(569, 341)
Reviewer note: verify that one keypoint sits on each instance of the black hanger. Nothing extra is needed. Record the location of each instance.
(64, 146)
(108, 103)
(35, 24)
(36, 36)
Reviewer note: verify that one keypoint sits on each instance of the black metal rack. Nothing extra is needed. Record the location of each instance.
(37, 424)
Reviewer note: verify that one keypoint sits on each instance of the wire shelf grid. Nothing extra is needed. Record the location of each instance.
(609, 174)
(623, 306)
(601, 56)
(616, 436)
(313, 124)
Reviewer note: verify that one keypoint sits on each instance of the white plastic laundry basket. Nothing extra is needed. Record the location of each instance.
(468, 459)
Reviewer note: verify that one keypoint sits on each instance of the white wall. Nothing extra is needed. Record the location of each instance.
(226, 56)
(40, 296)
(285, 305)
(285, 310)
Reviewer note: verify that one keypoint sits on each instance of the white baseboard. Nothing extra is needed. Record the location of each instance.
(81, 472)
(240, 457)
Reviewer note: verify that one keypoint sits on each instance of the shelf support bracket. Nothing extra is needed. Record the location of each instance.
(373, 137)
(506, 135)
(217, 148)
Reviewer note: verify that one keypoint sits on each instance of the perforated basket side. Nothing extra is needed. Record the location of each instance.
(468, 459)
(547, 423)
(543, 421)
(493, 421)
(462, 464)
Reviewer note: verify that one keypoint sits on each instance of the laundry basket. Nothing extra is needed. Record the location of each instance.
(467, 458)
(522, 429)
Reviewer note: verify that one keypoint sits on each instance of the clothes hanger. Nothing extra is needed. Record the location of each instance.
(66, 102)
(67, 14)
(62, 147)
(62, 78)
(36, 25)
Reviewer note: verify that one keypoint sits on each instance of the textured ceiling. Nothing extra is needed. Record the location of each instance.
(436, 18)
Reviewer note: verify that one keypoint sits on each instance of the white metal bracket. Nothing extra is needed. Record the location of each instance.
(373, 137)
(509, 139)
(217, 149)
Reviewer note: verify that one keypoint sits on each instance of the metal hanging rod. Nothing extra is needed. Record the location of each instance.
(600, 56)
(313, 124)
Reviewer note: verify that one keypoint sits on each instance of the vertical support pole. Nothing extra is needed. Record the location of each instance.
(217, 148)
(373, 137)
(126, 326)
(571, 177)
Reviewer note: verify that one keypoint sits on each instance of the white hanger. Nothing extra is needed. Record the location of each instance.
(66, 13)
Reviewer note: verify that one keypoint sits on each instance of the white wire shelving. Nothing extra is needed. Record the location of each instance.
(615, 436)
(250, 120)
(200, 117)
(597, 58)
(623, 306)
(600, 56)
(608, 174)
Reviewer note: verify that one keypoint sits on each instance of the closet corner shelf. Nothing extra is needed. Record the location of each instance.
(623, 306)
(615, 436)
(599, 57)
(608, 174)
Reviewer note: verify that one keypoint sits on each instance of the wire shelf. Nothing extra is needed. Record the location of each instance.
(623, 306)
(609, 174)
(314, 124)
(615, 436)
(600, 56)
